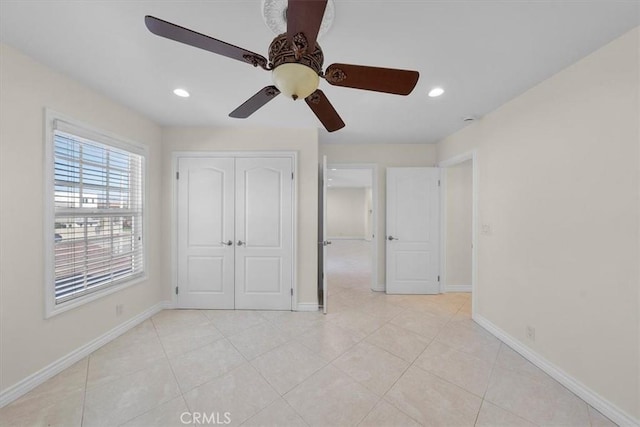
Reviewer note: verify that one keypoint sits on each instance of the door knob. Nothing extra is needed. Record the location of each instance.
(229, 243)
(392, 238)
(240, 243)
(326, 243)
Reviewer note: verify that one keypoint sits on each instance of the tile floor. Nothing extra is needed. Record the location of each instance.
(374, 360)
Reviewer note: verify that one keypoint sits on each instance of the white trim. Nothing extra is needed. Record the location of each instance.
(457, 288)
(607, 408)
(32, 381)
(381, 287)
(294, 231)
(443, 230)
(177, 155)
(50, 117)
(473, 156)
(307, 306)
(373, 167)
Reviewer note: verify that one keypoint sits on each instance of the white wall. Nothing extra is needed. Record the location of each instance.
(458, 209)
(304, 141)
(368, 213)
(384, 155)
(28, 342)
(346, 212)
(559, 187)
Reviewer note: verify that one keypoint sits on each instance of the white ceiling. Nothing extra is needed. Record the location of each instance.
(482, 52)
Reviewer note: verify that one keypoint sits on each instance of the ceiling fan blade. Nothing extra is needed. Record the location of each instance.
(254, 103)
(388, 80)
(180, 34)
(305, 16)
(324, 111)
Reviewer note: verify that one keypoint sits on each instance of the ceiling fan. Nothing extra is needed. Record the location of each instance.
(295, 60)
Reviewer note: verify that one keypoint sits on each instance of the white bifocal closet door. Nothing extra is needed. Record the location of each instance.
(263, 255)
(206, 194)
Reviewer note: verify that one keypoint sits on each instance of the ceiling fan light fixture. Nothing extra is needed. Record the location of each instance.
(295, 80)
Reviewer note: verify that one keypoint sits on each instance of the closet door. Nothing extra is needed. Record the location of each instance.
(206, 233)
(264, 241)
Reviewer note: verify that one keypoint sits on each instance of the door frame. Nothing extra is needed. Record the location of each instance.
(176, 155)
(373, 167)
(452, 161)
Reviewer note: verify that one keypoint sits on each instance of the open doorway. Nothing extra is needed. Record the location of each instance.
(350, 227)
(459, 224)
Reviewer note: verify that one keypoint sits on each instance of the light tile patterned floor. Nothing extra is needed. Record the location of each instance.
(374, 360)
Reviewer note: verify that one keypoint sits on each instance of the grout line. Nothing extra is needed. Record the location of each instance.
(167, 357)
(172, 372)
(493, 367)
(84, 395)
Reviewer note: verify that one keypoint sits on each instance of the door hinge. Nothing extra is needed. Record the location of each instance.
(291, 291)
(177, 175)
(176, 290)
(438, 278)
(291, 175)
(438, 183)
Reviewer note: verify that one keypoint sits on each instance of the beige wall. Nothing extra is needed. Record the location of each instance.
(304, 141)
(384, 155)
(558, 186)
(368, 213)
(458, 208)
(28, 342)
(346, 212)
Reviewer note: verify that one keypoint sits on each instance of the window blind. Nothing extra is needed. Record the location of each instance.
(98, 204)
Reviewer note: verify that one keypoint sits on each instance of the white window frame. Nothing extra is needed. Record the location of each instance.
(85, 131)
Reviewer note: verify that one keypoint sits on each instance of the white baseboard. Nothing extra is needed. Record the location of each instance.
(307, 306)
(32, 381)
(380, 288)
(607, 408)
(457, 288)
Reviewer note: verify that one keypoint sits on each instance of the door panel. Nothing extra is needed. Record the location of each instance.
(205, 273)
(264, 221)
(256, 269)
(262, 207)
(413, 225)
(205, 221)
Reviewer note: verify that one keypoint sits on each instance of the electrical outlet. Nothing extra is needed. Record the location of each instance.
(119, 309)
(531, 333)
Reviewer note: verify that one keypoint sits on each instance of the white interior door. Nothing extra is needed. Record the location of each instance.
(206, 233)
(413, 231)
(264, 248)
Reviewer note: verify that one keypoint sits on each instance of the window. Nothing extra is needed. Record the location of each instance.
(98, 214)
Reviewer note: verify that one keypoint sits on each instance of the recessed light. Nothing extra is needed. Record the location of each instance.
(436, 91)
(181, 93)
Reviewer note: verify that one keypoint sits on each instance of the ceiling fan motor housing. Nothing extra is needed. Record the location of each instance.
(282, 52)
